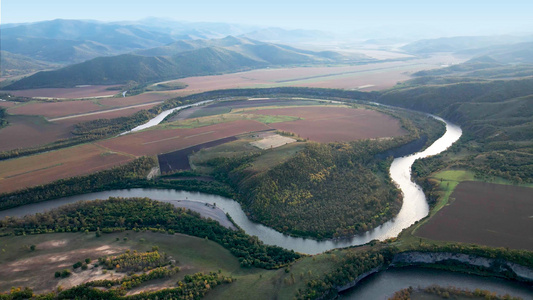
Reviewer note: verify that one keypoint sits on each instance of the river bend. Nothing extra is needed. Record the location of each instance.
(414, 205)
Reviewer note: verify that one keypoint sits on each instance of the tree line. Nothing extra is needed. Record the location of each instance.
(134, 261)
(357, 262)
(497, 122)
(3, 121)
(109, 179)
(118, 214)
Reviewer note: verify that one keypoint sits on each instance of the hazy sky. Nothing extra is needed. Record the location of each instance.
(310, 14)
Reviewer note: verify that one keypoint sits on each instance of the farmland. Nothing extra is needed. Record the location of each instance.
(90, 91)
(375, 76)
(153, 142)
(224, 107)
(29, 131)
(55, 109)
(29, 128)
(486, 214)
(78, 107)
(46, 167)
(336, 124)
(179, 160)
(39, 169)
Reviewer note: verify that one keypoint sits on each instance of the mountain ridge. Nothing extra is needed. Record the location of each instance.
(181, 59)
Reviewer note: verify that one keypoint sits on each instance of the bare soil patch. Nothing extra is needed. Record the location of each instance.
(335, 124)
(153, 142)
(39, 270)
(273, 141)
(52, 244)
(46, 167)
(68, 93)
(487, 214)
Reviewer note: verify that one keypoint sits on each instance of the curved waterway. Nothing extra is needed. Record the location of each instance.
(384, 284)
(159, 118)
(413, 209)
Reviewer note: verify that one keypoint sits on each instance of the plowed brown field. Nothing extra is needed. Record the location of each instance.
(56, 109)
(335, 124)
(71, 93)
(31, 131)
(154, 142)
(487, 214)
(50, 166)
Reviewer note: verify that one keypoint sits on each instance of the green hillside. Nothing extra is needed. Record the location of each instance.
(182, 59)
(14, 64)
(436, 98)
(497, 122)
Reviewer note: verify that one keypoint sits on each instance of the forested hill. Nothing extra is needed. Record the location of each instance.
(182, 59)
(437, 99)
(496, 118)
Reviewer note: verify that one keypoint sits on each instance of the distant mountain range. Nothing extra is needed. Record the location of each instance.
(64, 42)
(69, 41)
(177, 60)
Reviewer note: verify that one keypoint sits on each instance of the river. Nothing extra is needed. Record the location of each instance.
(159, 118)
(377, 286)
(413, 209)
(382, 285)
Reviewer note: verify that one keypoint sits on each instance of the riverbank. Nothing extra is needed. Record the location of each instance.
(385, 284)
(361, 265)
(446, 261)
(206, 210)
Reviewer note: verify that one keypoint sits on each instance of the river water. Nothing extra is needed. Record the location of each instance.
(382, 285)
(159, 118)
(413, 209)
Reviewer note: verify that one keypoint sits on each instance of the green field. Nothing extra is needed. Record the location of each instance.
(224, 118)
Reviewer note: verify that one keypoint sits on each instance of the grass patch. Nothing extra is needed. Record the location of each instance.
(224, 118)
(274, 157)
(274, 119)
(210, 111)
(167, 86)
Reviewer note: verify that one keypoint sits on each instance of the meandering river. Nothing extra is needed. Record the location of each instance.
(413, 209)
(377, 286)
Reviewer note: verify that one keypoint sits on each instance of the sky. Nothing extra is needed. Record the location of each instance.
(450, 15)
